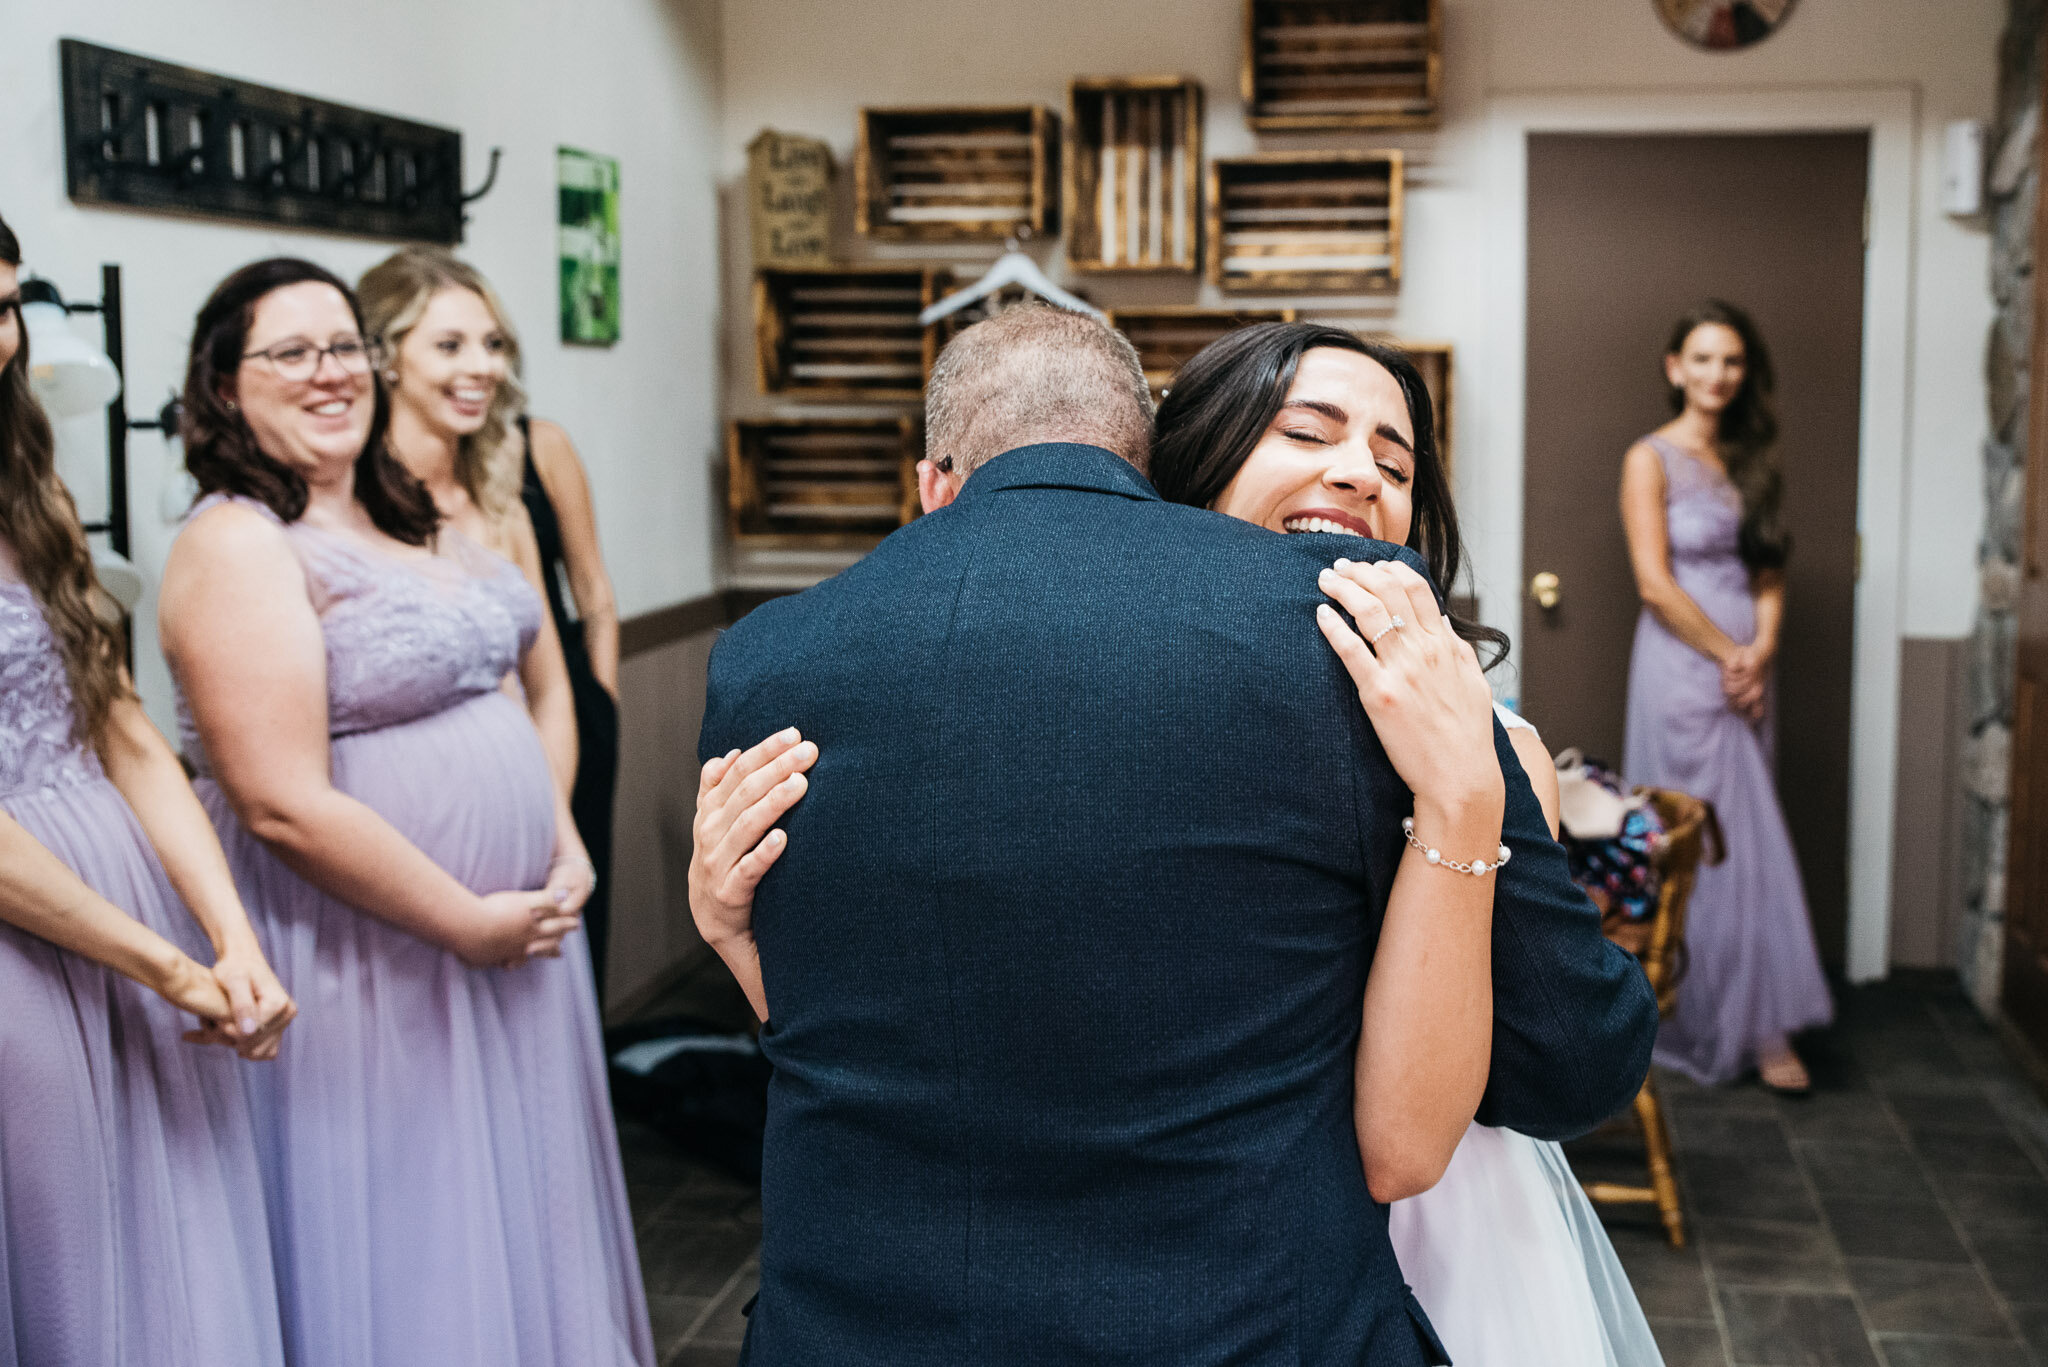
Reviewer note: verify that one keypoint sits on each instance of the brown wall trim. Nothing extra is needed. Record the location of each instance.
(664, 626)
(652, 630)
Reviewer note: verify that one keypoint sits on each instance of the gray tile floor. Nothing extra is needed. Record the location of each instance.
(1896, 1218)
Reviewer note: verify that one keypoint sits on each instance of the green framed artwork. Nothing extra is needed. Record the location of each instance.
(587, 200)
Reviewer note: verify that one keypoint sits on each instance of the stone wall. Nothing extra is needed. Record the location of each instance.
(1986, 763)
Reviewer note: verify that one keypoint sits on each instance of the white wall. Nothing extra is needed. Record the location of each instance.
(808, 65)
(635, 79)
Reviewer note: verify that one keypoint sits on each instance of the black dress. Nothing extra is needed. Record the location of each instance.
(597, 717)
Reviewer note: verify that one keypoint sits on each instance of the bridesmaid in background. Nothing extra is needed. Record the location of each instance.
(439, 1153)
(451, 359)
(131, 1213)
(557, 495)
(1700, 501)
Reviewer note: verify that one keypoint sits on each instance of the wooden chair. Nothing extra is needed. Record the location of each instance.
(1692, 836)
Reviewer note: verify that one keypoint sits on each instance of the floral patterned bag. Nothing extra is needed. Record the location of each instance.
(1611, 837)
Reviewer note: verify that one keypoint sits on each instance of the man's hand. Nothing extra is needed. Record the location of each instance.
(740, 797)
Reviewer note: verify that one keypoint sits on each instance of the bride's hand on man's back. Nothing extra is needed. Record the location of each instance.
(1419, 681)
(740, 797)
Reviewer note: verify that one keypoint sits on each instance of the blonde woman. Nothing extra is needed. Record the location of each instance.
(557, 494)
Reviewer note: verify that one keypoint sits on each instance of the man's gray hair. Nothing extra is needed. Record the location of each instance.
(1035, 373)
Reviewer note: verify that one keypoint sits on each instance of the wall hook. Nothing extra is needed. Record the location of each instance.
(490, 179)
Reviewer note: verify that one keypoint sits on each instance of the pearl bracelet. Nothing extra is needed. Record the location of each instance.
(1478, 868)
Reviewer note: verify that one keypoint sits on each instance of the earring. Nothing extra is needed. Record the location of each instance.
(391, 376)
(231, 405)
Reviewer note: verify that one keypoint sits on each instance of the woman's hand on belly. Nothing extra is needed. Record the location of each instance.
(514, 927)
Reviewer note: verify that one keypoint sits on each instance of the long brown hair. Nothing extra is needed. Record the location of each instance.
(1223, 400)
(1747, 435)
(224, 455)
(41, 522)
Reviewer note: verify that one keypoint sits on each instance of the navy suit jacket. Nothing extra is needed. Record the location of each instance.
(1066, 955)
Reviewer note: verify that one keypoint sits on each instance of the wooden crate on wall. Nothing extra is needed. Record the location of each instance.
(845, 333)
(1343, 63)
(1166, 338)
(1433, 359)
(823, 483)
(1134, 174)
(956, 174)
(1301, 222)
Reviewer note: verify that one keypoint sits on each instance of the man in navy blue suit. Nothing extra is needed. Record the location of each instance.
(1064, 960)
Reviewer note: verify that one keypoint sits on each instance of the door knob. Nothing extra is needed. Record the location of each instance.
(1543, 588)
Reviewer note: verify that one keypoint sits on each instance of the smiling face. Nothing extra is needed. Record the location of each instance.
(317, 426)
(1708, 367)
(451, 363)
(10, 313)
(1339, 456)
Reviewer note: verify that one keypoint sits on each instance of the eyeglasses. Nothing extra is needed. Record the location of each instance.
(298, 360)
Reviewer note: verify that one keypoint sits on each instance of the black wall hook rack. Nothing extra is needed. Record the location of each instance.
(490, 179)
(166, 419)
(146, 134)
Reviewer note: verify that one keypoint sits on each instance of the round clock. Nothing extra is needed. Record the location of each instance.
(1724, 25)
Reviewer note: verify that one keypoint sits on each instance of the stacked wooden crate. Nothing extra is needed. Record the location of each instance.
(1343, 63)
(1433, 359)
(1286, 222)
(845, 333)
(840, 334)
(1134, 174)
(1167, 338)
(958, 174)
(819, 482)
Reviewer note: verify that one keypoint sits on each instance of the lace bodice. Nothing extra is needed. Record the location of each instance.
(1702, 509)
(37, 748)
(406, 636)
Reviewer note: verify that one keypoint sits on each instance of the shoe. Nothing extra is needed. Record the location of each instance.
(1785, 1075)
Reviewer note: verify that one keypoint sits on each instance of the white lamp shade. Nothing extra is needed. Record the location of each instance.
(70, 375)
(119, 577)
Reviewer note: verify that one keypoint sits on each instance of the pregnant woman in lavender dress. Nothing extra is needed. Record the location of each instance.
(438, 1146)
(131, 1213)
(1700, 502)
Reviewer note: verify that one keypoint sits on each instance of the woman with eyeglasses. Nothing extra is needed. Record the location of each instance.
(131, 1215)
(440, 1160)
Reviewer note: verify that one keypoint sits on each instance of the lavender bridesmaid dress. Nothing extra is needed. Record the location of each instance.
(437, 1140)
(131, 1213)
(1753, 975)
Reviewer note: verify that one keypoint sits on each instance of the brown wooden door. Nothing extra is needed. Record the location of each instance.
(2025, 994)
(1625, 234)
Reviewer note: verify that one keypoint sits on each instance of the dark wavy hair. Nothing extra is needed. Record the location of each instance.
(1223, 400)
(41, 522)
(222, 452)
(1747, 437)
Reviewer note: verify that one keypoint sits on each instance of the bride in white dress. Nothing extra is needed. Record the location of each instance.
(1505, 1252)
(1294, 427)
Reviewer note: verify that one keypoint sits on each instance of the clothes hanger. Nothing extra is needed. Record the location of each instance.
(1013, 267)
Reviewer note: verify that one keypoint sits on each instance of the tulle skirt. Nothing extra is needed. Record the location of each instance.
(131, 1214)
(1511, 1264)
(437, 1140)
